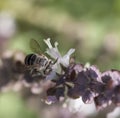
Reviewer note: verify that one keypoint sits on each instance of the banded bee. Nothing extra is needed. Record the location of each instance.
(39, 64)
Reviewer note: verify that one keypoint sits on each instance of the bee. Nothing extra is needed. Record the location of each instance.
(39, 64)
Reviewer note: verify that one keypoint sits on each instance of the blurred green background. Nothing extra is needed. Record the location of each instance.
(90, 26)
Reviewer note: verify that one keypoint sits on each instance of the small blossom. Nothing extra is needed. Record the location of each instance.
(51, 99)
(55, 54)
(52, 51)
(116, 95)
(111, 91)
(65, 82)
(93, 73)
(87, 84)
(111, 78)
(101, 101)
(56, 92)
(66, 58)
(88, 96)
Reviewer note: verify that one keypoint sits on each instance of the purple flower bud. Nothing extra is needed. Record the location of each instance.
(87, 96)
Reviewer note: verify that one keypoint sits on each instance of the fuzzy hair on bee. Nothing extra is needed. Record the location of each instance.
(39, 64)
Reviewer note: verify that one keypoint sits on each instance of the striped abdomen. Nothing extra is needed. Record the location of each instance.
(32, 59)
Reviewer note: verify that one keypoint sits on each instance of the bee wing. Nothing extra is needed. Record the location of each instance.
(35, 46)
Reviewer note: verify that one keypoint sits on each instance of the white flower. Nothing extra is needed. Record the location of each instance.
(55, 54)
(52, 51)
(77, 105)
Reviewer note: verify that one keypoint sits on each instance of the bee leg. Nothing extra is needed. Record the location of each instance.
(31, 72)
(35, 72)
(43, 75)
(40, 73)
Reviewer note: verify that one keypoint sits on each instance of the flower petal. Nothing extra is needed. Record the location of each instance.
(52, 51)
